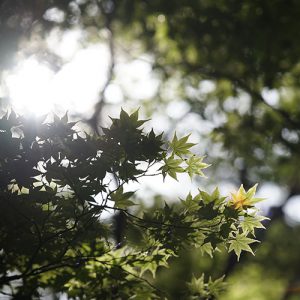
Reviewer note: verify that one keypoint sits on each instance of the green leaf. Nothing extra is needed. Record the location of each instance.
(241, 243)
(181, 147)
(197, 285)
(214, 197)
(130, 121)
(207, 211)
(195, 166)
(158, 258)
(122, 199)
(124, 115)
(225, 230)
(190, 203)
(172, 167)
(209, 290)
(216, 287)
(251, 222)
(134, 117)
(214, 239)
(207, 248)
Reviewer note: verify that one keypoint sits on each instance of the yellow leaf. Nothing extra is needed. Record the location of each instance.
(242, 199)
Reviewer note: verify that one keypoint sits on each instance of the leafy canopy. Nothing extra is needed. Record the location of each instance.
(57, 183)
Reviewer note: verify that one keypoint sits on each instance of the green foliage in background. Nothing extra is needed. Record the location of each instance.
(57, 182)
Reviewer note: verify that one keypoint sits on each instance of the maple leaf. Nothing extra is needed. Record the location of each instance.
(242, 199)
(195, 165)
(181, 146)
(121, 199)
(241, 243)
(251, 222)
(172, 167)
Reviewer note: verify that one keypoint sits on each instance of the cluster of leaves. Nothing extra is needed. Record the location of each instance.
(181, 160)
(201, 290)
(56, 184)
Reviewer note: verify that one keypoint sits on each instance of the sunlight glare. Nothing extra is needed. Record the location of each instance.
(28, 87)
(35, 88)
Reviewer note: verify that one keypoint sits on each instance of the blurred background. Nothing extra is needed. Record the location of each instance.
(226, 71)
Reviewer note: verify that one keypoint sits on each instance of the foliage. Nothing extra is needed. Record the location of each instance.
(246, 49)
(230, 43)
(253, 72)
(57, 183)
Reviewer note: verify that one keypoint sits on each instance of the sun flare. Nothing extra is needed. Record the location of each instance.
(29, 87)
(34, 88)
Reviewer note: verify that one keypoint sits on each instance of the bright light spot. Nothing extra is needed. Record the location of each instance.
(114, 94)
(169, 188)
(54, 15)
(29, 87)
(161, 18)
(77, 86)
(66, 44)
(159, 122)
(226, 188)
(274, 195)
(137, 79)
(240, 104)
(206, 86)
(193, 122)
(35, 88)
(292, 209)
(177, 109)
(271, 96)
